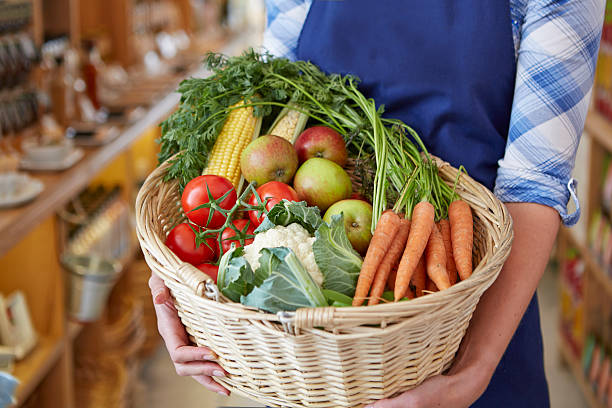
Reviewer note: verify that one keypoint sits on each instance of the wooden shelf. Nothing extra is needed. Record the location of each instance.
(60, 187)
(576, 368)
(599, 128)
(48, 370)
(33, 368)
(592, 262)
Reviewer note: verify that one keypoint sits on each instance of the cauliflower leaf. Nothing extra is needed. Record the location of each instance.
(235, 278)
(287, 212)
(339, 263)
(284, 283)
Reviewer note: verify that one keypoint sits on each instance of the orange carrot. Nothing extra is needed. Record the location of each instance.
(389, 261)
(462, 236)
(422, 221)
(410, 293)
(419, 277)
(436, 260)
(431, 286)
(451, 269)
(386, 229)
(391, 279)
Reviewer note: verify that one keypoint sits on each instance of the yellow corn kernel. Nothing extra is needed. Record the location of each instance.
(239, 129)
(289, 124)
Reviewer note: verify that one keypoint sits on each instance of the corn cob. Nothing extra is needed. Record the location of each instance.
(289, 124)
(239, 129)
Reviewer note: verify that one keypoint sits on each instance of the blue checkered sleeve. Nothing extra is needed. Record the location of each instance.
(555, 69)
(285, 19)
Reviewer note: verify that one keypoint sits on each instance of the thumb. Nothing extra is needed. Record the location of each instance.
(159, 291)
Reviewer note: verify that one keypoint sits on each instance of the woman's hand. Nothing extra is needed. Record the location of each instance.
(188, 360)
(457, 390)
(460, 387)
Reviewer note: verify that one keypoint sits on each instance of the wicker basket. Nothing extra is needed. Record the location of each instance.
(324, 357)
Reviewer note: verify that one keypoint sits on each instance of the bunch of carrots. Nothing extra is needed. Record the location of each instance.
(413, 255)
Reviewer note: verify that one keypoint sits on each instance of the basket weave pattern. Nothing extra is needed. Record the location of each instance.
(325, 357)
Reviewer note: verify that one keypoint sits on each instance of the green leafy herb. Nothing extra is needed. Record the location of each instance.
(289, 212)
(388, 295)
(287, 286)
(339, 263)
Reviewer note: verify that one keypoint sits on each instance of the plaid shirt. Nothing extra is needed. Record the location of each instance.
(556, 44)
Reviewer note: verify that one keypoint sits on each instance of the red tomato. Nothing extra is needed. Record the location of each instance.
(271, 193)
(181, 241)
(209, 269)
(196, 194)
(228, 233)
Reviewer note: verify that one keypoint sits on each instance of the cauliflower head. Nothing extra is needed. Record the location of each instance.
(294, 237)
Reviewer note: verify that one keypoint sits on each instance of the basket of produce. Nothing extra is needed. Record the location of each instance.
(314, 245)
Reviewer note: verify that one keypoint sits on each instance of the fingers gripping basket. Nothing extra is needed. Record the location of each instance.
(325, 357)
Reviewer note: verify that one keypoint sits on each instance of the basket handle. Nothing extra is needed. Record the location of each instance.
(192, 277)
(308, 318)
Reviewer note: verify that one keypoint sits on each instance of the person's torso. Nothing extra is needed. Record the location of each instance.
(447, 69)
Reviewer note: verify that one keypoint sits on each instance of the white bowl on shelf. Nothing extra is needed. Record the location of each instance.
(9, 182)
(48, 152)
(18, 188)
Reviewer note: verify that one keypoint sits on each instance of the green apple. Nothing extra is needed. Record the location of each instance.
(357, 221)
(268, 158)
(322, 182)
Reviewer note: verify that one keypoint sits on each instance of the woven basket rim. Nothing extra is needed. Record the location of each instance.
(200, 285)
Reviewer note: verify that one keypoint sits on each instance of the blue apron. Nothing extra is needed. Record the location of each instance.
(447, 68)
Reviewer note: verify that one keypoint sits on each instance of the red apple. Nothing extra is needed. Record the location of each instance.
(268, 158)
(322, 182)
(357, 221)
(321, 141)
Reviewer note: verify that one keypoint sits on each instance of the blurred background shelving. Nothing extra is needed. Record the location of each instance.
(584, 252)
(101, 74)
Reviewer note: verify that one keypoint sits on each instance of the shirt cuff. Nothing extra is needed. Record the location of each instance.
(520, 185)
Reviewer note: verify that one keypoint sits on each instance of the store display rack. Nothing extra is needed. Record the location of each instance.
(31, 236)
(597, 283)
(576, 369)
(18, 223)
(60, 188)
